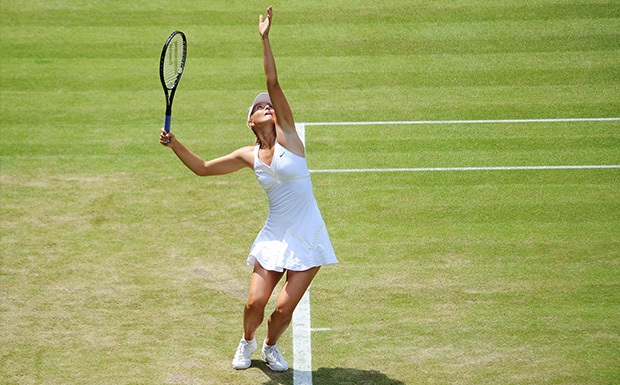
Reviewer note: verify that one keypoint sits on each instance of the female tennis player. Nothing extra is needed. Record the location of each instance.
(294, 241)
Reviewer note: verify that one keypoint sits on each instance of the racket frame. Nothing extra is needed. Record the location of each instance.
(170, 91)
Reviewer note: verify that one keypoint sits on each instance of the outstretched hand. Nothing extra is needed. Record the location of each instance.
(265, 23)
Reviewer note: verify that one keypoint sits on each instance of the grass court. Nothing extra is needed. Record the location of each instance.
(119, 266)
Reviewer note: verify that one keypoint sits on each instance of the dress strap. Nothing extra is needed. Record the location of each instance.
(256, 148)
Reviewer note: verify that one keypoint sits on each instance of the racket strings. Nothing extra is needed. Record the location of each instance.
(174, 60)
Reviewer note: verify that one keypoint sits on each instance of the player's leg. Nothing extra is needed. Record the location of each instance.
(297, 282)
(262, 284)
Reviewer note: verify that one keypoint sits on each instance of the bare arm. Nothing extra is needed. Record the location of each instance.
(285, 126)
(226, 164)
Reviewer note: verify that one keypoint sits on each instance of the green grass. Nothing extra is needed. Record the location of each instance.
(118, 266)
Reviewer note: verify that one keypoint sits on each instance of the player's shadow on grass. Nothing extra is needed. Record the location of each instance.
(330, 376)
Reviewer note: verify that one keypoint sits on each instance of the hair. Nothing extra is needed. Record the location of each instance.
(257, 141)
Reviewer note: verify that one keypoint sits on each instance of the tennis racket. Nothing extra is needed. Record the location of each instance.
(171, 67)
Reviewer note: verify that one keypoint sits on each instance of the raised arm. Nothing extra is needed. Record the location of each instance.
(285, 125)
(236, 160)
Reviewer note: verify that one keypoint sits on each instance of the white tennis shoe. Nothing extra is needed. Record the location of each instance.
(242, 359)
(275, 360)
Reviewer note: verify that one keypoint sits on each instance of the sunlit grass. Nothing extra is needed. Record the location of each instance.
(120, 266)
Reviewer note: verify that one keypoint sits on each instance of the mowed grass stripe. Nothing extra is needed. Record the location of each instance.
(463, 145)
(119, 266)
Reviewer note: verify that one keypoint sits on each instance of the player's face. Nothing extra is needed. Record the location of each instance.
(262, 111)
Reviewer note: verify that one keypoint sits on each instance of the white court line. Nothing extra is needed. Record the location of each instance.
(302, 347)
(302, 340)
(481, 121)
(436, 169)
(301, 131)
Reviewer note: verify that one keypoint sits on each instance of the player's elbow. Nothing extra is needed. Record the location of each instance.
(202, 170)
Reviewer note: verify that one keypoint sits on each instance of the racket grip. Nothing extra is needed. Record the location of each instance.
(167, 123)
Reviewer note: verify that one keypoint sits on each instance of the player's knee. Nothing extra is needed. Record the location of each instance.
(256, 305)
(284, 312)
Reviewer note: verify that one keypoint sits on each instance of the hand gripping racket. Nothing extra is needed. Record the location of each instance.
(171, 67)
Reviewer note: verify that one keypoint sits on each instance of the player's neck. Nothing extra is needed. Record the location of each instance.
(267, 138)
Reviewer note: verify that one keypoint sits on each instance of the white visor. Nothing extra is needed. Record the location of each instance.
(263, 97)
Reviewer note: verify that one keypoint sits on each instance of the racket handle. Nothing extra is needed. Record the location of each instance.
(167, 123)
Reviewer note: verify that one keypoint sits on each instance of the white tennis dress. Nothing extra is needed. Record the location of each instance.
(294, 236)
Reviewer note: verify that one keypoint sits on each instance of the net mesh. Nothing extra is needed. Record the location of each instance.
(174, 60)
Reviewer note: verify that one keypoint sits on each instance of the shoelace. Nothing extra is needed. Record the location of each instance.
(244, 349)
(275, 351)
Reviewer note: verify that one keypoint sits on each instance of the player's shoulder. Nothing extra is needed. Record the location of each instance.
(245, 150)
(245, 153)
